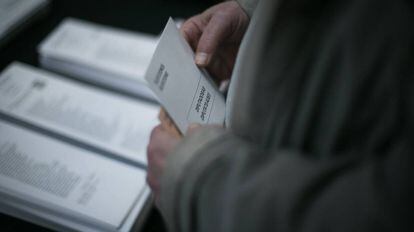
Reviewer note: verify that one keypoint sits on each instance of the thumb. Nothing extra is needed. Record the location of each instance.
(213, 35)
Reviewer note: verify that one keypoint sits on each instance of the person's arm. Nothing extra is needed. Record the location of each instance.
(224, 186)
(217, 181)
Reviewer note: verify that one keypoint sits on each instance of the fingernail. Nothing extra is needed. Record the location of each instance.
(201, 58)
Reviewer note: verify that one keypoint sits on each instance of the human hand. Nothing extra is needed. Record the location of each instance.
(162, 142)
(215, 35)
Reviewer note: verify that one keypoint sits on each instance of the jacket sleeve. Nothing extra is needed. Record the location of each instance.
(231, 185)
(248, 6)
(218, 181)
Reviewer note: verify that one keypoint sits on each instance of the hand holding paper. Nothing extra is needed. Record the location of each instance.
(216, 35)
(187, 92)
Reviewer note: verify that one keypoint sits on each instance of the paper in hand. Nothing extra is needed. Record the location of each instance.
(186, 92)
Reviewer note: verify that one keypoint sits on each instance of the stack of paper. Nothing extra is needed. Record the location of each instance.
(105, 56)
(16, 13)
(72, 156)
(47, 181)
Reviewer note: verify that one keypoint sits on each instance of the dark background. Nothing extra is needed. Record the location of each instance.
(136, 15)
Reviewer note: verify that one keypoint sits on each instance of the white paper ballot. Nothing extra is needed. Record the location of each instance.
(111, 122)
(185, 91)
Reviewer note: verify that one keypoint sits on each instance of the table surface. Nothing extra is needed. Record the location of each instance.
(147, 16)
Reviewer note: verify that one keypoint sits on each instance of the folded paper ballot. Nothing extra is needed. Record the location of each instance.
(186, 92)
(104, 56)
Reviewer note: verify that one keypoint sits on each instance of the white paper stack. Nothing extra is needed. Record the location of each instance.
(65, 187)
(108, 121)
(72, 156)
(105, 56)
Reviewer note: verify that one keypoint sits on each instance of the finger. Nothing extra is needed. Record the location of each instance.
(153, 184)
(164, 118)
(173, 130)
(192, 128)
(152, 179)
(168, 124)
(162, 115)
(155, 131)
(156, 161)
(219, 69)
(213, 35)
(192, 29)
